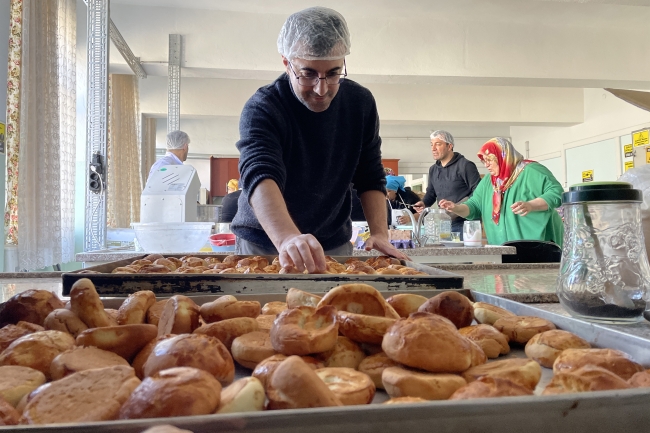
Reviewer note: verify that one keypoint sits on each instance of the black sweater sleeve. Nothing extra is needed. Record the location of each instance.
(430, 196)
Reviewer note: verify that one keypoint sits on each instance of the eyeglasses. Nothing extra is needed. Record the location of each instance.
(311, 79)
(487, 162)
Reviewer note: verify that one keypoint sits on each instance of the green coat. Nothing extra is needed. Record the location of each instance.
(534, 182)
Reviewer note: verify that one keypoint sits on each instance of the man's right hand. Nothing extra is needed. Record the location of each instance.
(302, 252)
(419, 206)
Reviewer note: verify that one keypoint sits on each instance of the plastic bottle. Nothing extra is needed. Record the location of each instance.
(438, 226)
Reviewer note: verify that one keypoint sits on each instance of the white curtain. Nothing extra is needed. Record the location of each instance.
(47, 134)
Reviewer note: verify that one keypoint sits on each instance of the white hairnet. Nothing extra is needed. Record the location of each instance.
(177, 140)
(443, 135)
(316, 33)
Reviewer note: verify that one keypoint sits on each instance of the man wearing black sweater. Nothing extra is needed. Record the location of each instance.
(304, 139)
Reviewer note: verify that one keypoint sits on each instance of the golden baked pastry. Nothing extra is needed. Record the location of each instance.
(227, 330)
(374, 366)
(429, 342)
(65, 320)
(363, 328)
(265, 322)
(487, 387)
(452, 305)
(361, 267)
(74, 399)
(193, 262)
(640, 380)
(406, 303)
(405, 400)
(360, 299)
(298, 298)
(583, 379)
(493, 342)
(243, 395)
(153, 257)
(232, 260)
(294, 385)
(252, 348)
(8, 414)
(31, 306)
(17, 381)
(175, 260)
(487, 314)
(134, 308)
(524, 372)
(171, 266)
(83, 358)
(192, 350)
(180, 391)
(305, 330)
(274, 307)
(180, 316)
(547, 346)
(346, 353)
(350, 386)
(124, 340)
(143, 354)
(266, 367)
(165, 428)
(85, 303)
(11, 333)
(613, 360)
(228, 307)
(37, 350)
(520, 329)
(401, 382)
(143, 262)
(154, 312)
(124, 270)
(388, 271)
(478, 356)
(154, 269)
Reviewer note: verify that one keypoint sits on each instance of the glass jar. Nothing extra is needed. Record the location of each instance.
(437, 226)
(604, 274)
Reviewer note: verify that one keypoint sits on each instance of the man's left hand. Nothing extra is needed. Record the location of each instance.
(382, 245)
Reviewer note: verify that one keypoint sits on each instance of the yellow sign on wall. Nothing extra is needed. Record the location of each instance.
(647, 155)
(588, 176)
(628, 150)
(629, 165)
(640, 138)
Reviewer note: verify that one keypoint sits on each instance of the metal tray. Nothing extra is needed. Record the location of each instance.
(124, 284)
(605, 411)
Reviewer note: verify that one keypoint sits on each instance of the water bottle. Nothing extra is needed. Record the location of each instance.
(438, 226)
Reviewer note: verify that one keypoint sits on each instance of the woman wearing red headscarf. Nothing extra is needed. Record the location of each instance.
(517, 201)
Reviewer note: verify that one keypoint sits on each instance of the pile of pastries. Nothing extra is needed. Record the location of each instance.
(234, 264)
(80, 362)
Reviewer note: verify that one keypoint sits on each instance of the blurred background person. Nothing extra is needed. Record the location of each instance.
(229, 202)
(178, 143)
(399, 197)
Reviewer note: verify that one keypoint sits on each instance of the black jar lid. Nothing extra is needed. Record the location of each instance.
(601, 191)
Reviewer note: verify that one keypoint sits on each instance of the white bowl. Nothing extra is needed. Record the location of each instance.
(172, 237)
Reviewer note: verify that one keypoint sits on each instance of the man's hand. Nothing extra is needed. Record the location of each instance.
(522, 208)
(382, 245)
(302, 252)
(419, 206)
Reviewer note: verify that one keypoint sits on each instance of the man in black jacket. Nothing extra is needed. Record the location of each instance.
(453, 177)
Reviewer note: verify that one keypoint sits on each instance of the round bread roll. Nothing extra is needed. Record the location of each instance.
(265, 322)
(405, 400)
(274, 307)
(124, 340)
(374, 366)
(17, 381)
(85, 303)
(193, 262)
(153, 269)
(488, 338)
(265, 368)
(8, 414)
(74, 399)
(346, 353)
(243, 395)
(154, 312)
(428, 342)
(298, 298)
(83, 358)
(363, 328)
(487, 387)
(134, 308)
(227, 330)
(305, 330)
(180, 316)
(400, 382)
(350, 386)
(360, 299)
(11, 333)
(640, 380)
(37, 350)
(143, 355)
(583, 379)
(478, 356)
(153, 257)
(228, 307)
(171, 266)
(387, 271)
(124, 270)
(523, 372)
(487, 314)
(405, 303)
(547, 346)
(180, 391)
(192, 350)
(252, 348)
(65, 321)
(31, 306)
(232, 260)
(520, 329)
(294, 385)
(452, 305)
(175, 260)
(613, 360)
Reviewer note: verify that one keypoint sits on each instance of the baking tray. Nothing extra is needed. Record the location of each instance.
(233, 284)
(605, 411)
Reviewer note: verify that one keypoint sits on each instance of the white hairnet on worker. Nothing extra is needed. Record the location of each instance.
(177, 140)
(443, 135)
(315, 33)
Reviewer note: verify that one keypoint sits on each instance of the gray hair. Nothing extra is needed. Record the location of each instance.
(177, 140)
(315, 33)
(443, 135)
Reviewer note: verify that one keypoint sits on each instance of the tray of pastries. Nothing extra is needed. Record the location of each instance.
(351, 359)
(233, 274)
